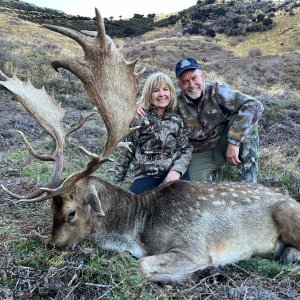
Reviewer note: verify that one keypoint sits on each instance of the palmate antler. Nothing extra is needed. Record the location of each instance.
(49, 114)
(111, 84)
(108, 79)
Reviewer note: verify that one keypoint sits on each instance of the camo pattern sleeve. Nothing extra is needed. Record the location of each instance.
(247, 108)
(184, 151)
(125, 155)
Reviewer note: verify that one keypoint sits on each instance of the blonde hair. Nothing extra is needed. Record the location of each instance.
(153, 81)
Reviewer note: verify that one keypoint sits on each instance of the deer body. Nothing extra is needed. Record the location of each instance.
(182, 227)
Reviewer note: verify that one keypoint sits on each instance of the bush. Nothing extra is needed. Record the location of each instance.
(236, 40)
(253, 52)
(267, 22)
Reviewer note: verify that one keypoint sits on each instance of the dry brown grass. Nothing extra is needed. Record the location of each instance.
(283, 38)
(25, 40)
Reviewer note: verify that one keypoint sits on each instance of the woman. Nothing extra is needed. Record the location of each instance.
(160, 147)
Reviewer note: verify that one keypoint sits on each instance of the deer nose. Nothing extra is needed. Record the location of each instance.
(55, 244)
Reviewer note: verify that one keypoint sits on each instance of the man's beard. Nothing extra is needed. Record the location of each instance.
(195, 94)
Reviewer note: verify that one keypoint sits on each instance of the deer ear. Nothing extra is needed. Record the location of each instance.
(91, 198)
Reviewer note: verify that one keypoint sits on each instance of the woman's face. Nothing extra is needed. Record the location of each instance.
(161, 97)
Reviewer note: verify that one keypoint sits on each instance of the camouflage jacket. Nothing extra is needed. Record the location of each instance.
(207, 119)
(161, 144)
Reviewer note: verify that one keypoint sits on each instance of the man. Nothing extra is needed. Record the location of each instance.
(222, 123)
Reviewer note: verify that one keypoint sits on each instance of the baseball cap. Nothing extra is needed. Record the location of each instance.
(186, 64)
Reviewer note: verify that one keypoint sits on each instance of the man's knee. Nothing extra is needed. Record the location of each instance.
(199, 176)
(203, 164)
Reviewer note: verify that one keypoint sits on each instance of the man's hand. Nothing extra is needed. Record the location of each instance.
(172, 175)
(140, 111)
(232, 154)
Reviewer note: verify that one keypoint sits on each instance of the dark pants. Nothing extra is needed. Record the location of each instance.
(148, 183)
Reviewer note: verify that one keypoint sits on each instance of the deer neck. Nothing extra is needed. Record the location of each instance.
(120, 229)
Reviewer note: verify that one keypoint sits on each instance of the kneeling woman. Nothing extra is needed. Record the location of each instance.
(160, 147)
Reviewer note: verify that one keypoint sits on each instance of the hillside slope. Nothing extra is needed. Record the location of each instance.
(28, 269)
(283, 38)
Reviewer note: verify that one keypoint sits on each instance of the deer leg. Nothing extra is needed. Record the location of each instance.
(171, 266)
(290, 255)
(287, 218)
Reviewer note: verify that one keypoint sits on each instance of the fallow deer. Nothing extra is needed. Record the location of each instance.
(175, 229)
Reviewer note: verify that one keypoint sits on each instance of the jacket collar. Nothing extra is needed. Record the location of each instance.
(152, 110)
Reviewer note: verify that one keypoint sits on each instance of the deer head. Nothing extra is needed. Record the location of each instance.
(112, 86)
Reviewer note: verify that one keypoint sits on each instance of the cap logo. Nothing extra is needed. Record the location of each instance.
(185, 63)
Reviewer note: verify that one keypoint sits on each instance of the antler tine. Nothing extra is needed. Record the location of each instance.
(75, 35)
(100, 25)
(83, 118)
(42, 197)
(31, 150)
(16, 196)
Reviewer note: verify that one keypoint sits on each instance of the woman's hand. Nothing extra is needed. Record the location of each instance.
(172, 175)
(140, 111)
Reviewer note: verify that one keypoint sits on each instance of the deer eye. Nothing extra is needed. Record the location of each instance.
(71, 215)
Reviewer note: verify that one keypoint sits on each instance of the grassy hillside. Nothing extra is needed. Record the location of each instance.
(28, 269)
(283, 38)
